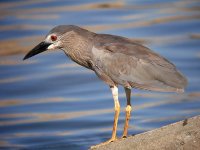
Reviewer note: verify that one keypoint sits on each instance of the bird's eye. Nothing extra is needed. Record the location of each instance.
(53, 37)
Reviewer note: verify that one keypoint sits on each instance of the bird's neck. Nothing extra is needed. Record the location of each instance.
(78, 48)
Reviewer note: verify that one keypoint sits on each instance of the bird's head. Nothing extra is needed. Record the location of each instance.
(55, 39)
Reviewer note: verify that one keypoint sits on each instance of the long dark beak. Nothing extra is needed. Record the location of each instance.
(37, 49)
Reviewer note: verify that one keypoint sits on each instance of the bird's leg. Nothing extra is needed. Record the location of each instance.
(128, 111)
(114, 90)
(117, 111)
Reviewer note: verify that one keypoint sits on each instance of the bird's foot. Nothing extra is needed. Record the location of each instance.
(104, 143)
(124, 137)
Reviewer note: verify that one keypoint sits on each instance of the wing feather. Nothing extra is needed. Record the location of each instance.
(129, 63)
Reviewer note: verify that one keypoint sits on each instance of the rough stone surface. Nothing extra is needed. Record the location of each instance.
(183, 135)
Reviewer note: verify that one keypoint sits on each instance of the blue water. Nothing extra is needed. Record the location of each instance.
(49, 102)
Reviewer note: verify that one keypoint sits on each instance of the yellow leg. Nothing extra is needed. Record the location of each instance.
(128, 112)
(117, 111)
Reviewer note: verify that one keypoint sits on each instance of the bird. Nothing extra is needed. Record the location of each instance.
(118, 61)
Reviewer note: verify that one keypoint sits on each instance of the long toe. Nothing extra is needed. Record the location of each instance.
(104, 143)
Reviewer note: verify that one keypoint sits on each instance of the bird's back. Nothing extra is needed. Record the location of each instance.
(128, 63)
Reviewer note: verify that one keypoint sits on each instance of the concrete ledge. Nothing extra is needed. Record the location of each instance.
(183, 135)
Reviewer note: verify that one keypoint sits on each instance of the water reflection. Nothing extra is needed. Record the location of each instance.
(50, 102)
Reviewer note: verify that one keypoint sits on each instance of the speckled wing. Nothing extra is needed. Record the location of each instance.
(133, 65)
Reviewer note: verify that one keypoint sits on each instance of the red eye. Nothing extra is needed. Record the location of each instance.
(53, 37)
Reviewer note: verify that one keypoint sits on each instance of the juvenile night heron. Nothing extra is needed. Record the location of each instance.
(117, 61)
